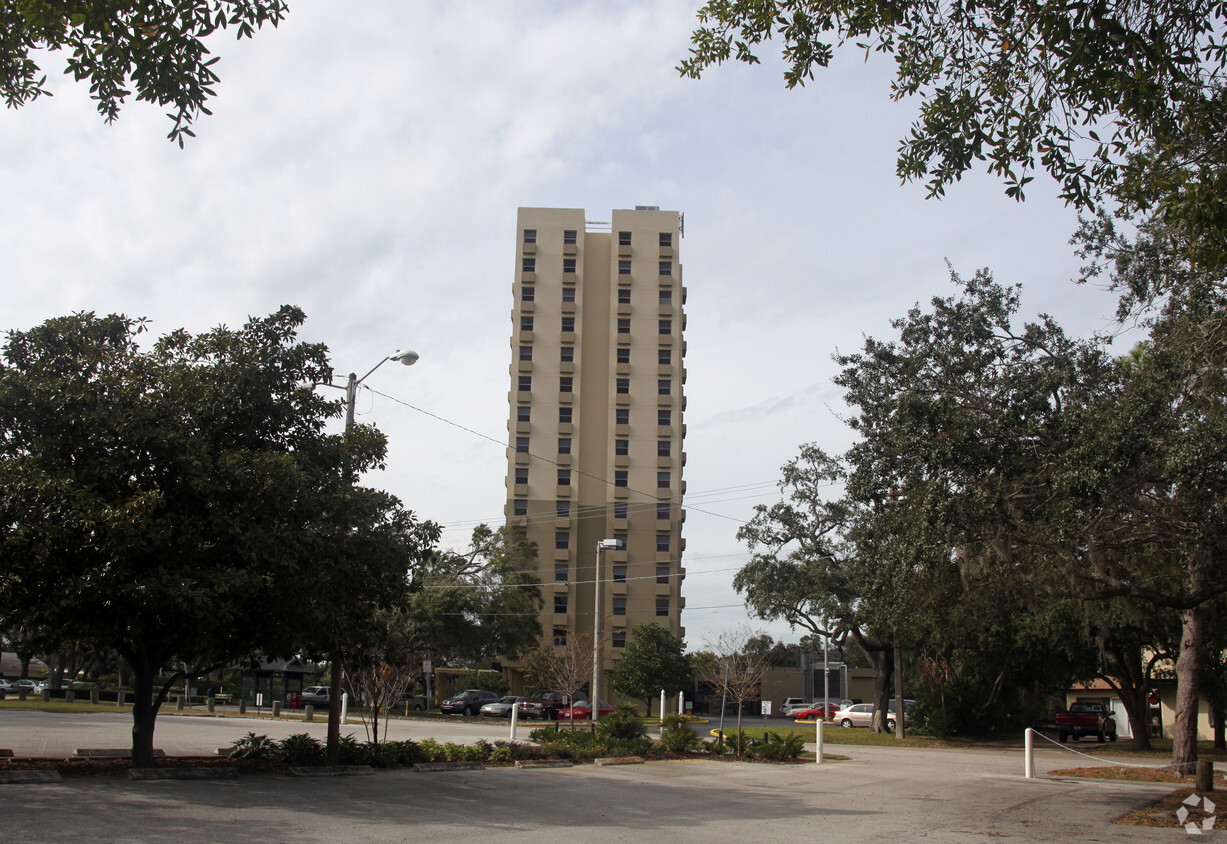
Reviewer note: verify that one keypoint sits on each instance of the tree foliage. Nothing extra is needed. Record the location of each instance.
(154, 49)
(654, 659)
(1107, 96)
(183, 503)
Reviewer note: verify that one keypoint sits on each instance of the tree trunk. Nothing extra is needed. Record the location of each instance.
(334, 710)
(883, 673)
(1188, 690)
(144, 713)
(900, 709)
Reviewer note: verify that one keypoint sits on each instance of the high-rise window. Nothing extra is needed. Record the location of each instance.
(526, 353)
(568, 323)
(564, 477)
(564, 445)
(566, 354)
(624, 355)
(568, 265)
(662, 574)
(624, 268)
(620, 538)
(619, 574)
(666, 297)
(662, 511)
(564, 416)
(522, 445)
(665, 326)
(562, 509)
(528, 265)
(662, 606)
(622, 446)
(527, 293)
(619, 509)
(624, 238)
(664, 356)
(562, 539)
(664, 418)
(622, 386)
(525, 383)
(620, 477)
(568, 294)
(521, 475)
(663, 448)
(662, 543)
(560, 571)
(560, 637)
(530, 235)
(664, 386)
(662, 480)
(666, 268)
(523, 413)
(526, 323)
(618, 640)
(624, 295)
(564, 384)
(560, 604)
(666, 238)
(624, 325)
(519, 507)
(568, 235)
(619, 606)
(622, 416)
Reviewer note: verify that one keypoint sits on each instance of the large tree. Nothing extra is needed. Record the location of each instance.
(1108, 96)
(654, 659)
(183, 503)
(154, 49)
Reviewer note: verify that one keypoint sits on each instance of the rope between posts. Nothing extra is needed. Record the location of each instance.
(1096, 758)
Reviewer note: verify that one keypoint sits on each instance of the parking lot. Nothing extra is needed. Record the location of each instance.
(878, 794)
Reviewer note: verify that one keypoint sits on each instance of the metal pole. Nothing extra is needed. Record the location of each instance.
(596, 638)
(826, 677)
(335, 705)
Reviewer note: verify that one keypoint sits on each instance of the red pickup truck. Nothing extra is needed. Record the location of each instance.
(1087, 718)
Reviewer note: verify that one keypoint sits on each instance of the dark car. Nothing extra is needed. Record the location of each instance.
(544, 704)
(468, 702)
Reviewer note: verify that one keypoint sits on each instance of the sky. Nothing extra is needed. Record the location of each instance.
(365, 162)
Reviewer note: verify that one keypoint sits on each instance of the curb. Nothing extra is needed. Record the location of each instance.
(333, 771)
(216, 773)
(439, 767)
(543, 763)
(18, 777)
(617, 760)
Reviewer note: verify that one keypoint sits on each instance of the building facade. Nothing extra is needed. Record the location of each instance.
(595, 429)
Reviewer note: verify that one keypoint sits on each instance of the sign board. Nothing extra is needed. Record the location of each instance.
(426, 666)
(766, 707)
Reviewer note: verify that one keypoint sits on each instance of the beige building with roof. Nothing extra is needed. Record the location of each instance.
(595, 429)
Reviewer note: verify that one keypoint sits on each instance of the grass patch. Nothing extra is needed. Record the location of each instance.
(839, 735)
(1163, 812)
(1119, 772)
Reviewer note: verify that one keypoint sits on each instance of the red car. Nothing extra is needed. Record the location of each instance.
(582, 711)
(816, 711)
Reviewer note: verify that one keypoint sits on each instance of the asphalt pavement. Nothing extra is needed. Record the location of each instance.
(878, 794)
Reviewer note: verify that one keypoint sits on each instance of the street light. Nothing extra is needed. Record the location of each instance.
(408, 357)
(596, 629)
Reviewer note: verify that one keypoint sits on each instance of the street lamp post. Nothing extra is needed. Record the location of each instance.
(597, 650)
(408, 358)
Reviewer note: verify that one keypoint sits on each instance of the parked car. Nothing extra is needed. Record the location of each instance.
(856, 715)
(816, 710)
(793, 705)
(468, 702)
(315, 696)
(544, 704)
(7, 687)
(502, 707)
(1087, 718)
(582, 711)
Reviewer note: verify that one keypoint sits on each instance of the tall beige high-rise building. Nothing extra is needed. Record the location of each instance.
(597, 398)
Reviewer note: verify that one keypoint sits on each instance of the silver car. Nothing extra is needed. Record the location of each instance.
(502, 707)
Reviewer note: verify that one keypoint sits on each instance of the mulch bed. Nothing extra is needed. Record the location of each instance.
(1163, 812)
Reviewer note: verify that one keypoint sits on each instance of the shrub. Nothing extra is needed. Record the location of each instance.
(780, 747)
(629, 747)
(501, 754)
(301, 750)
(433, 751)
(352, 752)
(678, 738)
(544, 735)
(622, 724)
(252, 746)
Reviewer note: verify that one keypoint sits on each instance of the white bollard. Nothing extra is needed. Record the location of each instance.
(1029, 753)
(681, 703)
(344, 706)
(818, 749)
(662, 707)
(515, 719)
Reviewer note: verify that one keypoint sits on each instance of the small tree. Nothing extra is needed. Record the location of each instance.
(654, 659)
(566, 668)
(734, 670)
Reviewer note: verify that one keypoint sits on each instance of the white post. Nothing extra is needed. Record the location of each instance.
(1029, 752)
(818, 749)
(681, 703)
(344, 706)
(662, 707)
(597, 656)
(515, 719)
